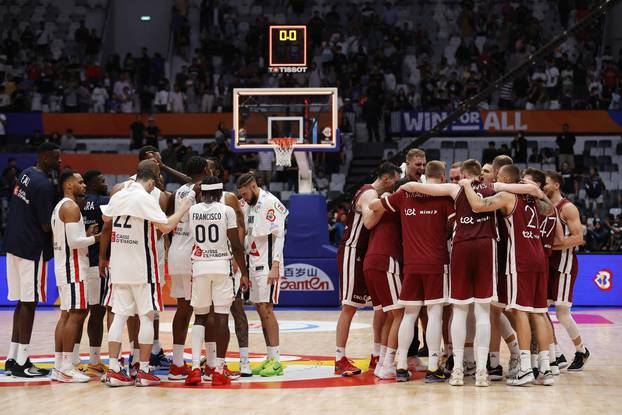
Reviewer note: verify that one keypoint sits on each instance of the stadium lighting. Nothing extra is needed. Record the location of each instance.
(145, 18)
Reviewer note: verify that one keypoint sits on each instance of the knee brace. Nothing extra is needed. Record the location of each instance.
(115, 333)
(565, 319)
(146, 333)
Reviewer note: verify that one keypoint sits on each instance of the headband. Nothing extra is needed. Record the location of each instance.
(215, 186)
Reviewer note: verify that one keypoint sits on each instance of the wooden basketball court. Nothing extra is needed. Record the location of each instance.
(307, 344)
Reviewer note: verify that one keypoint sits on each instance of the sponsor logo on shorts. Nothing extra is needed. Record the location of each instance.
(305, 277)
(604, 280)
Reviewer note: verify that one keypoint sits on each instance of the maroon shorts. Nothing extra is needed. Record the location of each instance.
(527, 291)
(473, 272)
(425, 289)
(352, 280)
(384, 283)
(560, 288)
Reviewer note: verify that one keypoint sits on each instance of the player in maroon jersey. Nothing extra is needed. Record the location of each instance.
(524, 269)
(473, 267)
(424, 222)
(487, 174)
(350, 256)
(383, 276)
(563, 268)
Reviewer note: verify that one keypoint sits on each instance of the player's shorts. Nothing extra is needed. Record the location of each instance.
(527, 292)
(132, 299)
(425, 288)
(181, 286)
(351, 277)
(73, 296)
(26, 279)
(560, 288)
(212, 289)
(97, 287)
(262, 292)
(384, 282)
(473, 272)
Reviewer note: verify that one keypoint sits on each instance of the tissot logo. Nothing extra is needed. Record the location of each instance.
(604, 280)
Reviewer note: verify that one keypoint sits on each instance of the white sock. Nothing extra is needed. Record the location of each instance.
(482, 333)
(545, 364)
(383, 353)
(144, 366)
(406, 334)
(156, 348)
(389, 358)
(95, 355)
(12, 351)
(198, 334)
(552, 357)
(67, 364)
(210, 349)
(76, 354)
(525, 360)
(434, 335)
(580, 348)
(178, 354)
(340, 353)
(243, 354)
(58, 360)
(433, 360)
(458, 333)
(494, 359)
(273, 352)
(113, 363)
(534, 360)
(558, 351)
(220, 364)
(377, 348)
(22, 354)
(514, 350)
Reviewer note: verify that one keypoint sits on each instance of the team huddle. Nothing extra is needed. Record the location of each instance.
(109, 260)
(477, 259)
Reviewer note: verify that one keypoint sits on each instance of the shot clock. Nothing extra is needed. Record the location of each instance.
(287, 49)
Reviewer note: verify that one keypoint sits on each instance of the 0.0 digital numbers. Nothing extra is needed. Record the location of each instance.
(285, 35)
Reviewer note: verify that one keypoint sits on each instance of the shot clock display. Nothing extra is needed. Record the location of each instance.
(288, 48)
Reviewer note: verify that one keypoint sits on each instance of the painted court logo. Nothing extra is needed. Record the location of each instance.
(305, 277)
(604, 280)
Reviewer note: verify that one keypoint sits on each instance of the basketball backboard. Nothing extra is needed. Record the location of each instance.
(310, 115)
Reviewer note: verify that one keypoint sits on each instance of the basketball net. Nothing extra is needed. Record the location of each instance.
(283, 149)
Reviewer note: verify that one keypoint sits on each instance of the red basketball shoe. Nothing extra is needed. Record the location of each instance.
(146, 379)
(220, 379)
(194, 378)
(345, 367)
(119, 378)
(373, 362)
(179, 372)
(231, 374)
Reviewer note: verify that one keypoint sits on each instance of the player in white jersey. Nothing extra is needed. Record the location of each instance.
(265, 219)
(136, 217)
(71, 263)
(180, 267)
(213, 227)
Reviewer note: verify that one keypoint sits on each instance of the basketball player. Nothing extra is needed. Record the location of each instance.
(28, 246)
(424, 224)
(382, 268)
(454, 172)
(213, 227)
(96, 196)
(350, 256)
(563, 268)
(265, 219)
(240, 320)
(134, 273)
(71, 262)
(487, 174)
(525, 277)
(180, 268)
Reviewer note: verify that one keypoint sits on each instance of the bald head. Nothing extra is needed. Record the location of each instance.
(147, 170)
(509, 174)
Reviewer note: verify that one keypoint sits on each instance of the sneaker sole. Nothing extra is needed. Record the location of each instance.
(193, 383)
(456, 383)
(113, 383)
(347, 373)
(176, 378)
(143, 383)
(73, 380)
(495, 378)
(435, 380)
(246, 375)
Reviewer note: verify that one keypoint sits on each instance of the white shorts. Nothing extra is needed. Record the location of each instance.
(132, 299)
(73, 296)
(216, 289)
(181, 286)
(26, 279)
(97, 287)
(261, 292)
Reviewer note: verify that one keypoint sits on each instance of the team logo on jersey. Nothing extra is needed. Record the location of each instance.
(113, 236)
(270, 215)
(197, 251)
(305, 277)
(254, 251)
(604, 280)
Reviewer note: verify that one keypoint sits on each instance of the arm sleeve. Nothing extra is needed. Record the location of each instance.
(76, 237)
(232, 221)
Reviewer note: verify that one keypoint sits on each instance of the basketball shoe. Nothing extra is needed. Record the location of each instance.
(220, 379)
(545, 379)
(245, 369)
(373, 362)
(194, 378)
(386, 373)
(96, 370)
(555, 368)
(272, 368)
(207, 373)
(521, 378)
(28, 370)
(119, 378)
(56, 374)
(469, 368)
(73, 376)
(449, 365)
(457, 377)
(481, 378)
(344, 367)
(159, 361)
(146, 379)
(562, 363)
(179, 372)
(134, 368)
(579, 361)
(438, 376)
(514, 367)
(495, 373)
(402, 375)
(231, 374)
(8, 366)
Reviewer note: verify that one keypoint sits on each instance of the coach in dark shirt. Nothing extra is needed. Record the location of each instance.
(565, 142)
(28, 242)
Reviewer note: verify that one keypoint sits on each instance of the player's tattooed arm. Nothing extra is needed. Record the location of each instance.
(488, 204)
(545, 206)
(570, 214)
(443, 189)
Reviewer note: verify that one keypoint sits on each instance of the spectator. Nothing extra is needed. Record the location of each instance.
(535, 156)
(68, 141)
(99, 96)
(93, 45)
(565, 144)
(12, 164)
(594, 188)
(489, 154)
(137, 132)
(152, 134)
(505, 150)
(127, 100)
(70, 99)
(146, 98)
(161, 102)
(570, 185)
(177, 100)
(519, 147)
(552, 79)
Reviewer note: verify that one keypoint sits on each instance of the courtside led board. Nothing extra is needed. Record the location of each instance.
(287, 51)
